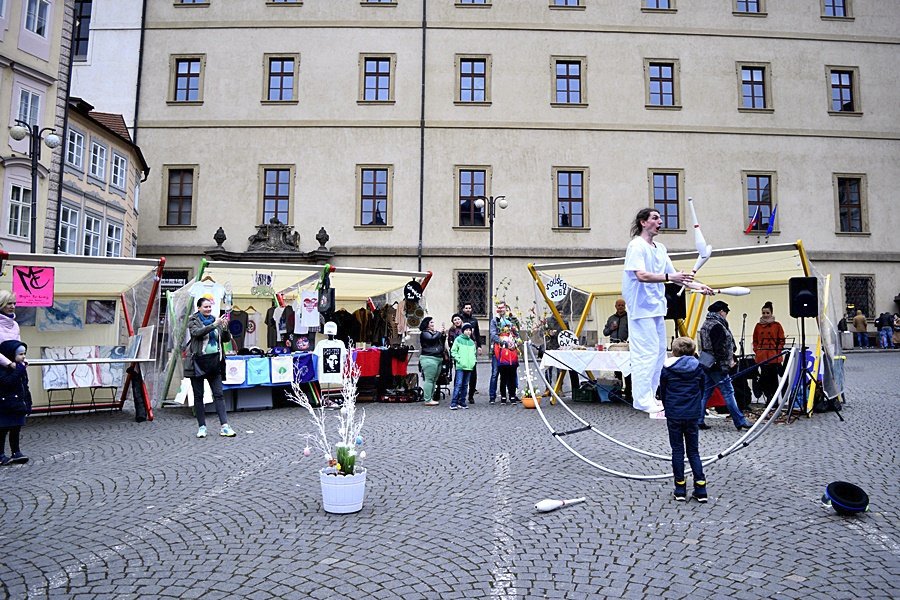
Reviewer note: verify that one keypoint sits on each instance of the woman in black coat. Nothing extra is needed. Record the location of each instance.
(15, 401)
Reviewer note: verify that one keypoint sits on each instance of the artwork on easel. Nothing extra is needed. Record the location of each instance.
(111, 374)
(83, 375)
(147, 338)
(134, 343)
(100, 312)
(54, 377)
(64, 315)
(25, 315)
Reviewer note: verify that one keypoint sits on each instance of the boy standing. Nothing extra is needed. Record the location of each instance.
(682, 391)
(463, 353)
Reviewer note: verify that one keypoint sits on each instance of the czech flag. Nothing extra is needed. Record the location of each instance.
(771, 226)
(754, 221)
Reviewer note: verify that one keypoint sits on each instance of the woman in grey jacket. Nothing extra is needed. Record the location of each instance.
(204, 360)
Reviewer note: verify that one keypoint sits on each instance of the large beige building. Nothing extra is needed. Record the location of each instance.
(384, 121)
(34, 60)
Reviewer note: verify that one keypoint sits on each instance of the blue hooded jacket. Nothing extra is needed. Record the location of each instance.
(682, 385)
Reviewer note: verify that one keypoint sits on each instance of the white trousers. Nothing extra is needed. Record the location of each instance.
(647, 342)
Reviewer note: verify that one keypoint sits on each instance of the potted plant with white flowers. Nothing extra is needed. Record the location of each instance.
(343, 479)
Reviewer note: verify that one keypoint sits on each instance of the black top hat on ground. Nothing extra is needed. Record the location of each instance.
(845, 498)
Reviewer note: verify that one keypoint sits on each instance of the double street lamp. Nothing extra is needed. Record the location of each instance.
(492, 202)
(36, 136)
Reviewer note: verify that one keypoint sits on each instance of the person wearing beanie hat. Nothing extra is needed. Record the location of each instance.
(463, 353)
(456, 322)
(430, 359)
(9, 328)
(647, 270)
(15, 401)
(716, 339)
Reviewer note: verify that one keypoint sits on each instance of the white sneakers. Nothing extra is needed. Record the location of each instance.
(227, 431)
(201, 433)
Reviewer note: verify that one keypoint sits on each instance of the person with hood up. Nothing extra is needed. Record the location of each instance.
(15, 401)
(682, 384)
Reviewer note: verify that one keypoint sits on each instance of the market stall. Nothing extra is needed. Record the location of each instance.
(85, 319)
(276, 317)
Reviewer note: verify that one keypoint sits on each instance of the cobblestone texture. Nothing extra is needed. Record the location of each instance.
(108, 508)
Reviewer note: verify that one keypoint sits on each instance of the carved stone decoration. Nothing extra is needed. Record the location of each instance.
(322, 238)
(219, 237)
(274, 236)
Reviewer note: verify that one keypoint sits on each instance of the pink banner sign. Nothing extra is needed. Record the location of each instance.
(33, 286)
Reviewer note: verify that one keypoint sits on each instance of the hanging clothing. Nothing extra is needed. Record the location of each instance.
(309, 311)
(252, 332)
(237, 326)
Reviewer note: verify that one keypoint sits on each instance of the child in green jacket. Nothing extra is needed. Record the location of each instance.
(463, 353)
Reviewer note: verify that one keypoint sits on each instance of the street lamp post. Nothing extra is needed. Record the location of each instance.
(35, 135)
(492, 202)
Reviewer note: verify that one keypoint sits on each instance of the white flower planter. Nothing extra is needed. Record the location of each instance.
(342, 493)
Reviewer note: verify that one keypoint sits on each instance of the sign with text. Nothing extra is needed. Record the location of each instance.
(263, 284)
(557, 289)
(567, 339)
(33, 286)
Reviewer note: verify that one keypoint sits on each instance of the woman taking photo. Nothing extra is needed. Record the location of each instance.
(431, 358)
(768, 341)
(204, 361)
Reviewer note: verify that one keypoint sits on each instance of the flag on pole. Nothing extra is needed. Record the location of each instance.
(771, 226)
(754, 221)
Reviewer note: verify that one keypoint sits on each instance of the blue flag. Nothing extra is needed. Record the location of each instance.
(771, 226)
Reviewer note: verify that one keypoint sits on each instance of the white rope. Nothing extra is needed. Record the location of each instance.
(762, 424)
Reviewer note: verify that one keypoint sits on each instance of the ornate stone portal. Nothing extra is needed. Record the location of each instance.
(274, 236)
(273, 242)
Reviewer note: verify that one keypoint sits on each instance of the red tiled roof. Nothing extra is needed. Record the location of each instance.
(112, 121)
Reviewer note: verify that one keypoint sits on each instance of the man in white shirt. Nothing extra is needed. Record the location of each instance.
(647, 270)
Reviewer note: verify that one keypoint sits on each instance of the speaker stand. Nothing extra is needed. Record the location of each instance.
(804, 374)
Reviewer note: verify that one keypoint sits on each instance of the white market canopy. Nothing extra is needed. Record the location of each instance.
(350, 283)
(747, 266)
(84, 275)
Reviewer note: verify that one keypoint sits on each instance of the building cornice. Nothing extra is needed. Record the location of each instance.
(520, 126)
(543, 27)
(31, 73)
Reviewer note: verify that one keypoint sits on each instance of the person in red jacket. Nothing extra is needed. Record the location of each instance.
(768, 341)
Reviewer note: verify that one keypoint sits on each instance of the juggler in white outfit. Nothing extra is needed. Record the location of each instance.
(646, 303)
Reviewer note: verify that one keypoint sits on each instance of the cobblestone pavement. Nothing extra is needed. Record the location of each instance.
(108, 508)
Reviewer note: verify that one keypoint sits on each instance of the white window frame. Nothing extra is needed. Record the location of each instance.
(38, 17)
(68, 230)
(18, 223)
(29, 106)
(93, 235)
(114, 239)
(119, 176)
(98, 161)
(75, 149)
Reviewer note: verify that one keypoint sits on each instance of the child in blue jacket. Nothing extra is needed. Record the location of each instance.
(682, 386)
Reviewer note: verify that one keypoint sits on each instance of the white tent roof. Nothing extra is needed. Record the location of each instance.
(746, 266)
(84, 275)
(349, 283)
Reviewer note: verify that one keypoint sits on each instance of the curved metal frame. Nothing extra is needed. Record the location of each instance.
(762, 424)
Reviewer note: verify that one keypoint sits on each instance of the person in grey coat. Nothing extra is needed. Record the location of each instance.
(203, 362)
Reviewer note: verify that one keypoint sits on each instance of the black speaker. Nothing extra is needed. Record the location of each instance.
(804, 295)
(675, 306)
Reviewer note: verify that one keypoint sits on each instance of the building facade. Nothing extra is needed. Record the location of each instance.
(106, 55)
(384, 122)
(34, 51)
(101, 185)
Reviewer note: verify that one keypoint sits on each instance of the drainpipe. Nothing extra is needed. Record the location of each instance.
(422, 137)
(65, 144)
(137, 91)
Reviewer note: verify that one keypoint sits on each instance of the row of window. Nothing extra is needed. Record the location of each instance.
(90, 237)
(473, 82)
(97, 163)
(374, 197)
(74, 237)
(829, 8)
(37, 13)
